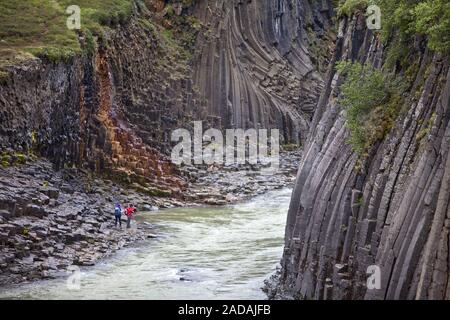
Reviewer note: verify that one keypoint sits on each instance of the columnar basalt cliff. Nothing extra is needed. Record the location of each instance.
(390, 207)
(254, 66)
(102, 115)
(91, 112)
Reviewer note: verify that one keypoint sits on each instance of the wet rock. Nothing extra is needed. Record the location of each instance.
(185, 279)
(151, 236)
(148, 207)
(215, 202)
(8, 205)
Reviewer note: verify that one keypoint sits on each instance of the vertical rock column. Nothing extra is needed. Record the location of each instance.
(252, 64)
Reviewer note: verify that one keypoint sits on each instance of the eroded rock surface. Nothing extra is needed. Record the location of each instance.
(254, 66)
(391, 210)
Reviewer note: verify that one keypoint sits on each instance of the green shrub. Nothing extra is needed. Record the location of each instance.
(349, 7)
(432, 18)
(407, 18)
(54, 54)
(371, 100)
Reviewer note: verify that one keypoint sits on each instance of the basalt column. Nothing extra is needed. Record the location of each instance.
(252, 64)
(390, 208)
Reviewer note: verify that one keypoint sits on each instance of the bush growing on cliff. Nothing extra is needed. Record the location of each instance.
(407, 18)
(371, 100)
(432, 18)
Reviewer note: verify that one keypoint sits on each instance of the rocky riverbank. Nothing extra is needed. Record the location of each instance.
(50, 220)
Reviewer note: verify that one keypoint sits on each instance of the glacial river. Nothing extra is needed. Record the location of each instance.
(201, 253)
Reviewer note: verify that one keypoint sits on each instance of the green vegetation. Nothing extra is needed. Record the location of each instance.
(404, 19)
(427, 128)
(175, 36)
(372, 101)
(170, 47)
(12, 158)
(5, 159)
(432, 18)
(350, 7)
(372, 98)
(182, 30)
(360, 201)
(39, 27)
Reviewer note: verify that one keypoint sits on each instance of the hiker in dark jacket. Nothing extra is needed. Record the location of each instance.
(118, 215)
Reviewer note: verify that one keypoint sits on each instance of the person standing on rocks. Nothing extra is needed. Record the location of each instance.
(118, 215)
(129, 213)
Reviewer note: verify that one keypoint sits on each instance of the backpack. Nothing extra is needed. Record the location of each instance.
(117, 211)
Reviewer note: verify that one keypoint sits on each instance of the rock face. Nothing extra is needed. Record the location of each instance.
(40, 105)
(392, 212)
(91, 111)
(253, 64)
(113, 108)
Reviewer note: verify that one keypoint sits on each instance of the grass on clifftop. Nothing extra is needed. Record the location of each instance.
(407, 18)
(38, 27)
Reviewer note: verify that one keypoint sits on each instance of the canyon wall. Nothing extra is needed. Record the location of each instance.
(107, 110)
(391, 208)
(254, 66)
(112, 108)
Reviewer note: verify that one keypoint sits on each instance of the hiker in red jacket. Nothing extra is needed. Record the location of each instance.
(129, 213)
